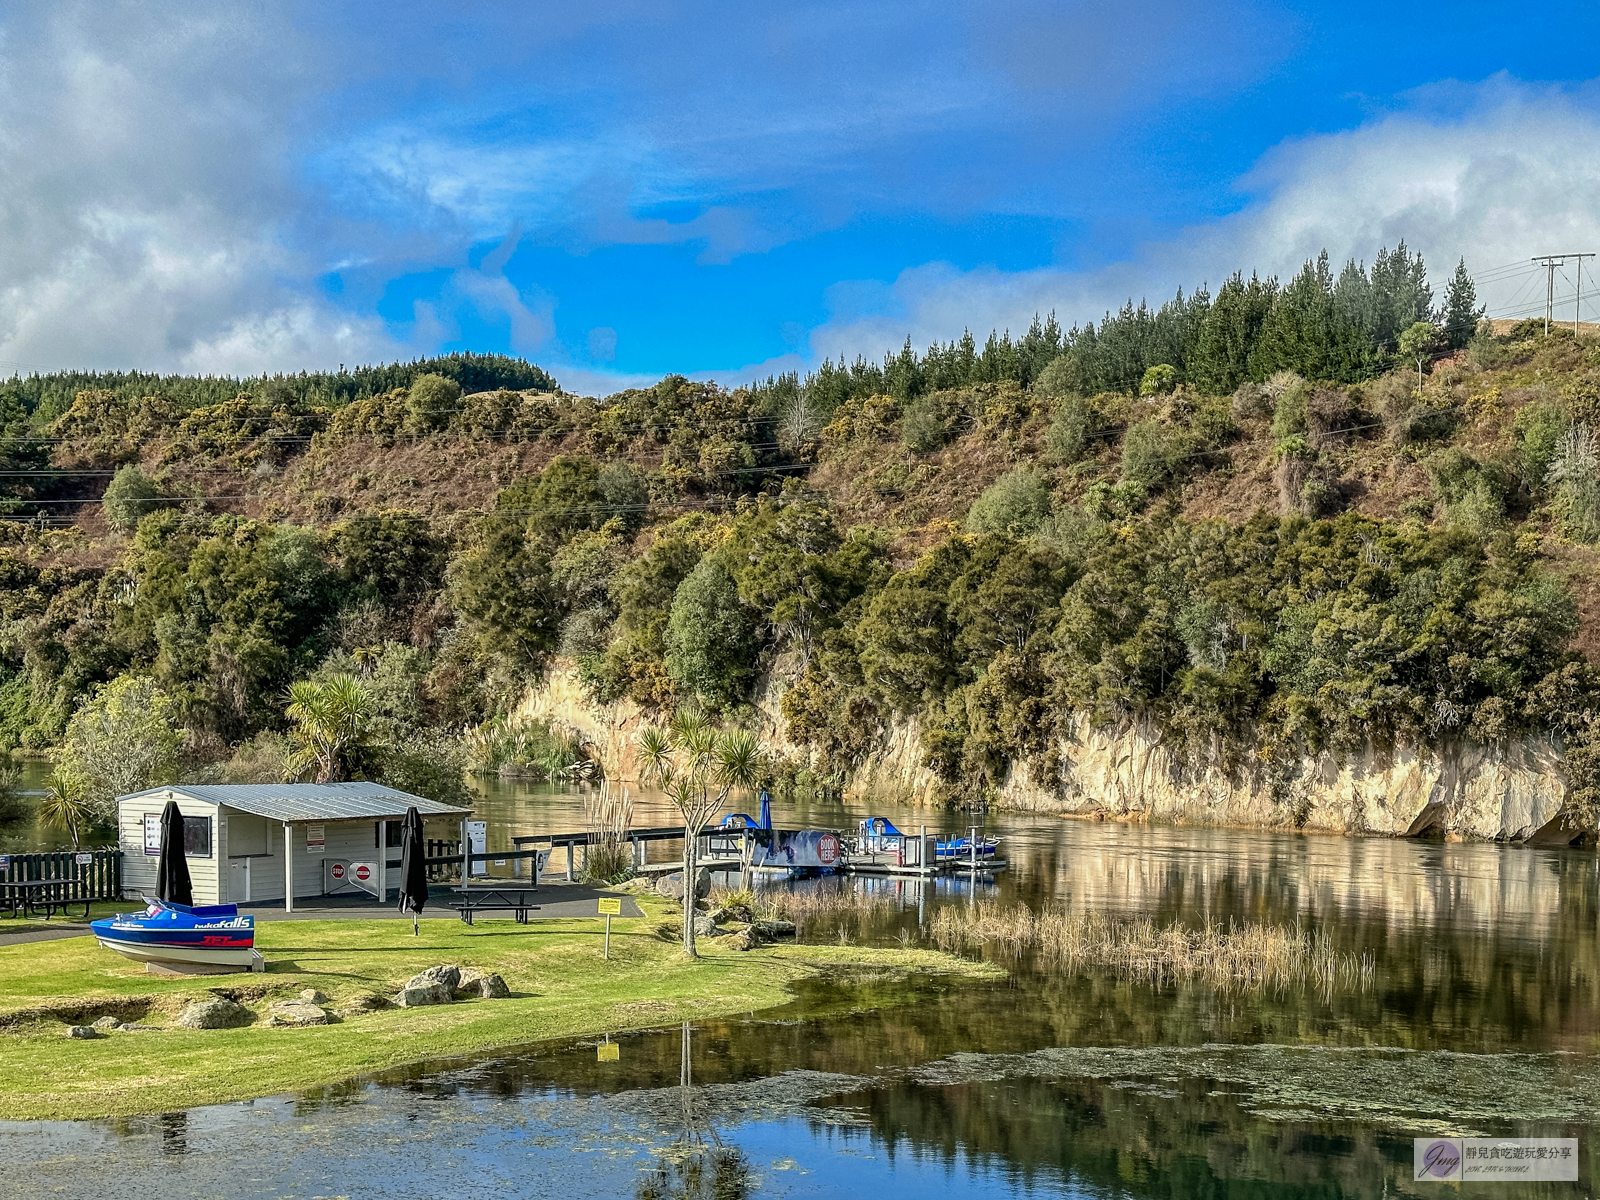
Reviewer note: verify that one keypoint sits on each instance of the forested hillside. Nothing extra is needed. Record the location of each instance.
(1290, 517)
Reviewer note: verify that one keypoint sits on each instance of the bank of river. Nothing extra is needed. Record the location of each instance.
(1480, 1016)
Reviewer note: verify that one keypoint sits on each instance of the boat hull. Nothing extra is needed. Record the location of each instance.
(210, 956)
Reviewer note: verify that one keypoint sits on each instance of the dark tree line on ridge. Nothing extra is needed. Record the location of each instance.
(1344, 329)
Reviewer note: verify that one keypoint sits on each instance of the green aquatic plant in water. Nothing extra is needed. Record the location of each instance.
(1429, 1092)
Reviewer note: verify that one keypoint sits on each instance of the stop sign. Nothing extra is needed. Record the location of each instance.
(337, 870)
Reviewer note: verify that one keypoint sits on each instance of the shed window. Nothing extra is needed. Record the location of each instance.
(196, 837)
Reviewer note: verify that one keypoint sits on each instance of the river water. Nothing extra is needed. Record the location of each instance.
(1479, 1018)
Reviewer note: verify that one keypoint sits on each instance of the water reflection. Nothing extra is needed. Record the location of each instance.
(697, 1166)
(891, 1102)
(174, 1133)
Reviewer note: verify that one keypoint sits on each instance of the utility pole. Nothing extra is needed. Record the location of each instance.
(1550, 262)
(1577, 309)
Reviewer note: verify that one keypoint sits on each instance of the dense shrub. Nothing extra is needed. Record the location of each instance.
(129, 496)
(711, 636)
(1016, 504)
(431, 401)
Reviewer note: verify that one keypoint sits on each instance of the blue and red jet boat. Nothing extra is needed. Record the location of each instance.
(212, 935)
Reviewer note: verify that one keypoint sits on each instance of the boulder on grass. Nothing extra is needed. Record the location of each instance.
(214, 1014)
(484, 985)
(415, 995)
(107, 1023)
(85, 1032)
(449, 975)
(296, 1014)
(747, 938)
(704, 926)
(671, 886)
(776, 928)
(312, 996)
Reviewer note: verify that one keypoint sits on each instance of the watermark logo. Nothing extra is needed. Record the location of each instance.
(1488, 1160)
(1441, 1159)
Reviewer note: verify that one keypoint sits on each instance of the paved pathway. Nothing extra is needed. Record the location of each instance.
(43, 932)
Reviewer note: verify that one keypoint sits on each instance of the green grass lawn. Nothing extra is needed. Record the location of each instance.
(560, 987)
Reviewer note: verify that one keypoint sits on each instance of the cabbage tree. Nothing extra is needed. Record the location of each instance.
(698, 766)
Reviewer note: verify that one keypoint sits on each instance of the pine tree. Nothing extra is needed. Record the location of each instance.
(1306, 333)
(903, 373)
(966, 357)
(1219, 362)
(1352, 297)
(1461, 309)
(1400, 295)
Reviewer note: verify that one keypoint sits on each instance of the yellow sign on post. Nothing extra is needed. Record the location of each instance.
(607, 1052)
(610, 906)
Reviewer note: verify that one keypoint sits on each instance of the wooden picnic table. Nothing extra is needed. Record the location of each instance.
(512, 898)
(31, 895)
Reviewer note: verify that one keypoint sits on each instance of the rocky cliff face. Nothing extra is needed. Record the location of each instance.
(1461, 788)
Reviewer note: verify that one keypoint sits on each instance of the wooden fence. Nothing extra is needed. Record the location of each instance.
(442, 860)
(97, 873)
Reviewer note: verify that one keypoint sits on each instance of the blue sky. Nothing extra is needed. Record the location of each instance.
(621, 190)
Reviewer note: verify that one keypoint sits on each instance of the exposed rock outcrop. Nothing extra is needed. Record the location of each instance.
(1508, 791)
(418, 996)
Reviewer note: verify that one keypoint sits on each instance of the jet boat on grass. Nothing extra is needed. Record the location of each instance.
(209, 936)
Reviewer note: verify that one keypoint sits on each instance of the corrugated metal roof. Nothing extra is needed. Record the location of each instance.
(308, 801)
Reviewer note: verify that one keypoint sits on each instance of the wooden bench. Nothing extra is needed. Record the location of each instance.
(494, 899)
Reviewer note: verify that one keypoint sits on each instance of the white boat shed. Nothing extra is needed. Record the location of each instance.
(247, 843)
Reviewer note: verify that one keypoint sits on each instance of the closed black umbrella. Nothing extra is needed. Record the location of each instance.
(172, 868)
(413, 875)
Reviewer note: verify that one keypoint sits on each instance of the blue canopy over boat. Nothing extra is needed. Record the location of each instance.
(879, 827)
(746, 821)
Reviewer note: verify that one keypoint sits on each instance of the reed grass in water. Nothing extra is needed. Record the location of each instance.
(1249, 955)
(826, 904)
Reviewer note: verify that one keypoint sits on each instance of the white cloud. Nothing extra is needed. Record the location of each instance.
(147, 211)
(1499, 177)
(290, 338)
